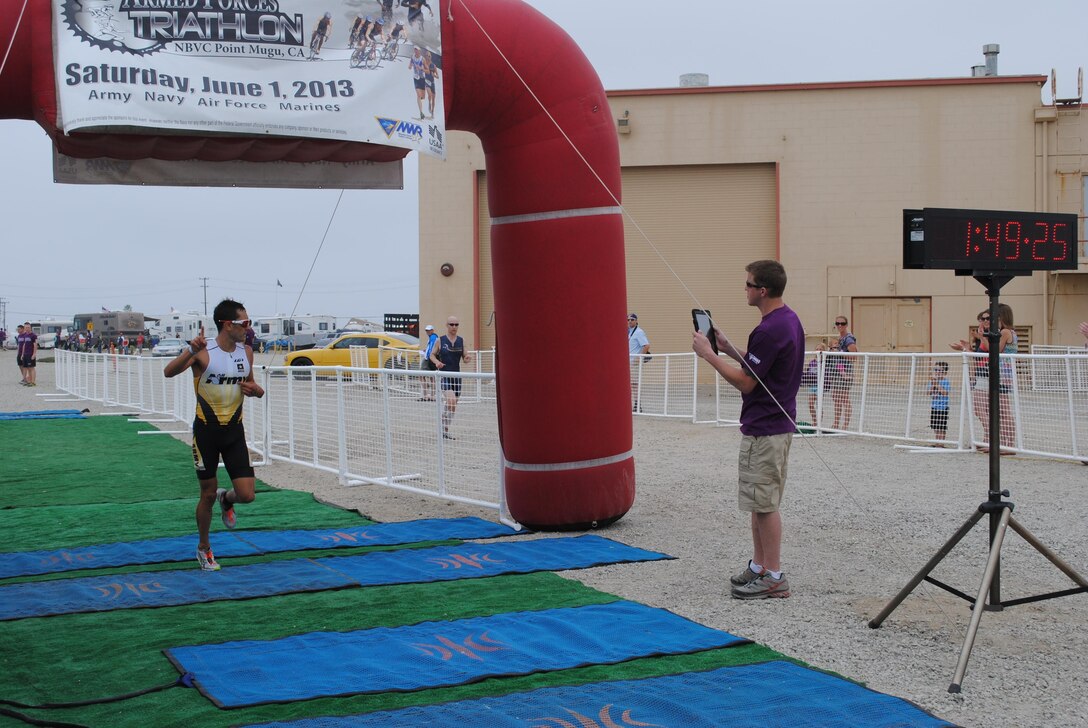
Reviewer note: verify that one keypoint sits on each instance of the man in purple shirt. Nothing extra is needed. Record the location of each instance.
(768, 379)
(27, 354)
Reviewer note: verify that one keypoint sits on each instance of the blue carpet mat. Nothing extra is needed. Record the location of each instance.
(406, 566)
(69, 414)
(789, 696)
(228, 544)
(437, 654)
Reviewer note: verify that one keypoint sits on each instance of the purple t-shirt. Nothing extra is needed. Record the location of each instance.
(776, 354)
(26, 343)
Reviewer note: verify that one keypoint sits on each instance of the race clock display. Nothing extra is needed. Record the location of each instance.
(989, 240)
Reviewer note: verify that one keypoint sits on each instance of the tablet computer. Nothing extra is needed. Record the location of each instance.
(703, 322)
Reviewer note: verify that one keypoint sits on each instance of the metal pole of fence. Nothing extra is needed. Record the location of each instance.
(717, 398)
(162, 393)
(291, 416)
(1072, 410)
(665, 405)
(439, 403)
(694, 389)
(387, 422)
(1015, 414)
(266, 413)
(140, 383)
(313, 418)
(910, 395)
(965, 400)
(864, 391)
(341, 430)
(821, 373)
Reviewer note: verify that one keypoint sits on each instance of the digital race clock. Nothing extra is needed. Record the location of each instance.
(989, 240)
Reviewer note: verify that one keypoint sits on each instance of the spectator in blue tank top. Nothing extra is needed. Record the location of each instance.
(768, 379)
(427, 383)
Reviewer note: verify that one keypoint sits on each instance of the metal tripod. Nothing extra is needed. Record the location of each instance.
(1000, 518)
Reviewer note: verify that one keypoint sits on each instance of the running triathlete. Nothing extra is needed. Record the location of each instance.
(417, 64)
(222, 375)
(430, 73)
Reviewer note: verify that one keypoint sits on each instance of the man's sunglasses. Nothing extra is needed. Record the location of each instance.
(244, 323)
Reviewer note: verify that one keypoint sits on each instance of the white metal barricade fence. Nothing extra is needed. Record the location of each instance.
(386, 433)
(376, 434)
(383, 434)
(888, 396)
(1052, 374)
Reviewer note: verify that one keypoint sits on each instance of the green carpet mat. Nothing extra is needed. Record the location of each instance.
(56, 527)
(96, 460)
(91, 481)
(93, 655)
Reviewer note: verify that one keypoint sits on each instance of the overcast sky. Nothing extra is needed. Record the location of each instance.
(78, 248)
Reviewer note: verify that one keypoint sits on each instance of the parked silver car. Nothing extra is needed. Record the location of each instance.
(168, 347)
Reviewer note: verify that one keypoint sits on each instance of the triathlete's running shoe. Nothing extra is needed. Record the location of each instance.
(228, 509)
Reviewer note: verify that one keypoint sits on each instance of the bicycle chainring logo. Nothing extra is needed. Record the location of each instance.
(106, 24)
(143, 27)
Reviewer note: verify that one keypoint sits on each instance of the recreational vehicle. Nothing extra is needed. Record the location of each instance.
(47, 331)
(110, 324)
(299, 332)
(184, 326)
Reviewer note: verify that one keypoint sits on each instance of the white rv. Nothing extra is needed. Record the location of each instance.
(298, 332)
(47, 331)
(184, 326)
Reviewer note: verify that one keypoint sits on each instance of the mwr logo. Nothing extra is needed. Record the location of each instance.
(403, 129)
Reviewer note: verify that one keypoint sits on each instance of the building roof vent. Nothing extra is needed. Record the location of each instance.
(990, 50)
(694, 79)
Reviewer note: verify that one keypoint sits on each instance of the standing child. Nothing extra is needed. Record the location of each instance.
(939, 387)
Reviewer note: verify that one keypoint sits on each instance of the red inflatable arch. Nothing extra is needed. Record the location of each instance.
(557, 235)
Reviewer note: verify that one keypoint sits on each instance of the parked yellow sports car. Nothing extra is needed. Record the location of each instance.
(338, 352)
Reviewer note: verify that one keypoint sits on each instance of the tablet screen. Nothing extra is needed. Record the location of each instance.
(702, 321)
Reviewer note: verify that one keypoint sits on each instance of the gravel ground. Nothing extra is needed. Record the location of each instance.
(861, 517)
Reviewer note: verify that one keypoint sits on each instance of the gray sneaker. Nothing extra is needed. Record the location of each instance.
(745, 577)
(764, 586)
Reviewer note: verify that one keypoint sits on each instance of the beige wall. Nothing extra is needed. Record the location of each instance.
(849, 159)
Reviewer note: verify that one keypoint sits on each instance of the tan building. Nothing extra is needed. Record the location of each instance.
(815, 175)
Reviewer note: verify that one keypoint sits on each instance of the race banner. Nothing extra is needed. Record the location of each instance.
(354, 70)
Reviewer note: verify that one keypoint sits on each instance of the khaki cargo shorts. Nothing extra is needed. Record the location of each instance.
(762, 466)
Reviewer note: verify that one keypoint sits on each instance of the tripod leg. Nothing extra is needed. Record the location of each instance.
(1050, 555)
(930, 566)
(980, 602)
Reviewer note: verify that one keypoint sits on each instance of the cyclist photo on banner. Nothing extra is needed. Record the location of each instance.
(320, 35)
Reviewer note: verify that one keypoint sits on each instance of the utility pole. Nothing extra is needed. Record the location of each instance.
(4, 314)
(205, 295)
